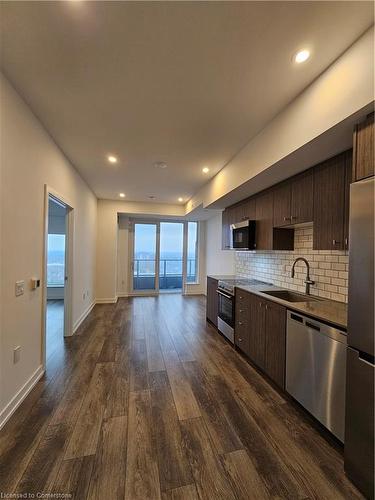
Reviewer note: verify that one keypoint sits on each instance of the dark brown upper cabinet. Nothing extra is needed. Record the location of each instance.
(248, 210)
(293, 200)
(329, 203)
(282, 195)
(363, 149)
(302, 198)
(264, 221)
(267, 236)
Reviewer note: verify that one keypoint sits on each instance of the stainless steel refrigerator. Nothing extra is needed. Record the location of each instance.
(359, 419)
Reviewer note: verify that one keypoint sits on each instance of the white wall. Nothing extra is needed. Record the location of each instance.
(218, 261)
(29, 160)
(109, 284)
(342, 90)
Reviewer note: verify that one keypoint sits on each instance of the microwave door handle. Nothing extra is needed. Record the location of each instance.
(224, 294)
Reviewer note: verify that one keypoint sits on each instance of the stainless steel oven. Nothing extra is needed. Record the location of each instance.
(225, 318)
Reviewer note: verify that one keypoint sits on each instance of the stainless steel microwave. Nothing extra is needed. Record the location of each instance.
(243, 235)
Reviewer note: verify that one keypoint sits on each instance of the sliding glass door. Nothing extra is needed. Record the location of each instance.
(171, 256)
(145, 257)
(163, 256)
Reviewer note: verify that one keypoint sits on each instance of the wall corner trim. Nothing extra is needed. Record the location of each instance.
(18, 398)
(83, 316)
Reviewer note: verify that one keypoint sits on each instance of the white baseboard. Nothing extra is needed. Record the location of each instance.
(195, 292)
(122, 294)
(15, 402)
(111, 300)
(83, 316)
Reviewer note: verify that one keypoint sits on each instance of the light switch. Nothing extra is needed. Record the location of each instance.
(20, 288)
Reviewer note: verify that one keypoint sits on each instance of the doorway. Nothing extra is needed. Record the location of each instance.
(57, 280)
(163, 256)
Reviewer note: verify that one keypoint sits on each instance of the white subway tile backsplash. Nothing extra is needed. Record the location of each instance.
(329, 269)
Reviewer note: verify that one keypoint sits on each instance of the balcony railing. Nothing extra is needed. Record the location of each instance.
(170, 274)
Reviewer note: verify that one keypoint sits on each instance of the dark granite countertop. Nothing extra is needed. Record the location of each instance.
(330, 311)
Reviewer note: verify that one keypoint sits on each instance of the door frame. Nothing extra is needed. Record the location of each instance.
(68, 285)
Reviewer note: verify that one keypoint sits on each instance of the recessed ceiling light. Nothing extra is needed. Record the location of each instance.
(301, 56)
(160, 164)
(152, 197)
(205, 170)
(122, 195)
(112, 159)
(180, 199)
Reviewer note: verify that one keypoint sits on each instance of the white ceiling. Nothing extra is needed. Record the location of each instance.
(188, 83)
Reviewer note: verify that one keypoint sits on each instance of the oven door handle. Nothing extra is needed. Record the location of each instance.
(224, 294)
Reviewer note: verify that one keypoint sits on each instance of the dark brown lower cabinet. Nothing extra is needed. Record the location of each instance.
(257, 340)
(241, 330)
(211, 305)
(275, 335)
(260, 333)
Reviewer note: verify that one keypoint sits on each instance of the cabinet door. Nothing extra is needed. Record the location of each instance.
(225, 229)
(281, 205)
(302, 198)
(275, 342)
(211, 305)
(363, 149)
(256, 331)
(329, 201)
(249, 209)
(264, 218)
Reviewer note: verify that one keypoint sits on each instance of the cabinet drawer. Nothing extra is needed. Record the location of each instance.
(241, 335)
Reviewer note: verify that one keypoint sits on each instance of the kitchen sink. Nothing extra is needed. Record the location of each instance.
(290, 296)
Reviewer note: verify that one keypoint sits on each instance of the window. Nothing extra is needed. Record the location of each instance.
(56, 260)
(192, 253)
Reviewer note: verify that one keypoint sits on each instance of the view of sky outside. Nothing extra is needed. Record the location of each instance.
(171, 248)
(55, 259)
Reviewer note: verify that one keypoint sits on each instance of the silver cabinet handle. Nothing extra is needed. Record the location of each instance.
(335, 242)
(240, 323)
(346, 242)
(287, 218)
(239, 340)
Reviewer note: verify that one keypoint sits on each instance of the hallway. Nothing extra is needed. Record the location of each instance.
(147, 401)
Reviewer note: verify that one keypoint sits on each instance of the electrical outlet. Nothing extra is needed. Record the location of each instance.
(16, 354)
(20, 288)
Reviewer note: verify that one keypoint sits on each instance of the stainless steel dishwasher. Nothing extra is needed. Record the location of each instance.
(316, 370)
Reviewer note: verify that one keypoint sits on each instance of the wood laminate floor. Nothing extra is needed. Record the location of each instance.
(147, 401)
(54, 327)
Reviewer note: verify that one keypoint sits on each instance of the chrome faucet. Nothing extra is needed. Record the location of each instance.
(308, 281)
